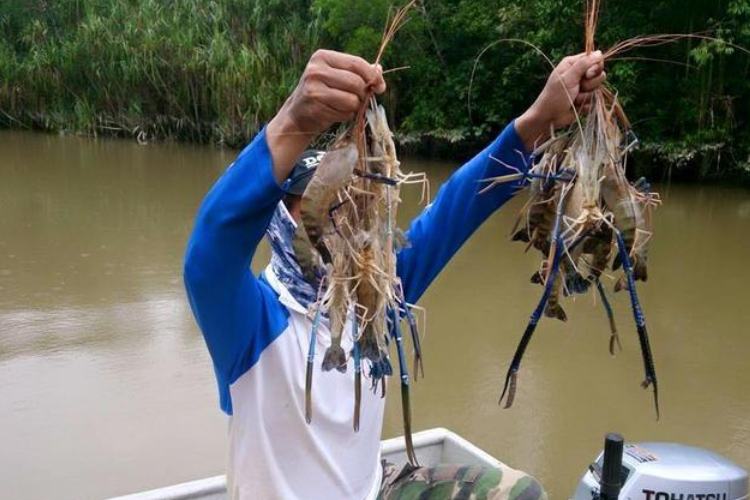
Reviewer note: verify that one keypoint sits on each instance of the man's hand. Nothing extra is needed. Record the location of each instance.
(569, 87)
(332, 89)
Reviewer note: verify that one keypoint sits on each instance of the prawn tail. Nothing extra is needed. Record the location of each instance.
(537, 278)
(575, 283)
(334, 358)
(621, 284)
(380, 368)
(521, 235)
(640, 271)
(556, 311)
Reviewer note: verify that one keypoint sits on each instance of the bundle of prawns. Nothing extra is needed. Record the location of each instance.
(349, 216)
(585, 217)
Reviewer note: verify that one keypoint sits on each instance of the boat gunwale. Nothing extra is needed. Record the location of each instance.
(211, 488)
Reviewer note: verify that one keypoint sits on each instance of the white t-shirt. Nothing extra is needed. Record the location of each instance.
(272, 447)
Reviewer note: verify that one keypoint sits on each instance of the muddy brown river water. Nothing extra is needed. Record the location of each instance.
(106, 387)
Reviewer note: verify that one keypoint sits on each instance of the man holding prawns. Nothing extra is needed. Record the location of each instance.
(257, 328)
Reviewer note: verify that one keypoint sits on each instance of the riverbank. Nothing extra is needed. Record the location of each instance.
(214, 71)
(658, 162)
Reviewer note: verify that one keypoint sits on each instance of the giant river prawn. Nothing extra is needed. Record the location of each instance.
(349, 217)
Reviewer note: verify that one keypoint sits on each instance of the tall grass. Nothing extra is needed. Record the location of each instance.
(201, 70)
(216, 70)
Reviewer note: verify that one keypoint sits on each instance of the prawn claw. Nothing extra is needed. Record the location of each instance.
(510, 389)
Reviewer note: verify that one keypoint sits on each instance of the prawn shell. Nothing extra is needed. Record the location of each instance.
(333, 174)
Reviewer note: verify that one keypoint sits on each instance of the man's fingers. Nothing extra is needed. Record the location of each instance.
(594, 70)
(346, 81)
(379, 85)
(568, 62)
(343, 102)
(328, 115)
(355, 64)
(591, 84)
(581, 65)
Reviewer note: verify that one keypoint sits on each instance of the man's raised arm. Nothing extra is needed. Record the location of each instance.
(237, 314)
(458, 210)
(227, 300)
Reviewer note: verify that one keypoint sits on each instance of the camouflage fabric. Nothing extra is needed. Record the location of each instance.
(458, 482)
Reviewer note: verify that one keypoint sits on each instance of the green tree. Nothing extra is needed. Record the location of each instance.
(216, 70)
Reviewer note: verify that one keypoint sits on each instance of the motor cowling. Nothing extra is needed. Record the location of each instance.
(669, 471)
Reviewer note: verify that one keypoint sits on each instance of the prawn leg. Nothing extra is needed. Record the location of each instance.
(558, 243)
(640, 322)
(309, 371)
(511, 377)
(413, 328)
(405, 397)
(376, 177)
(614, 339)
(331, 212)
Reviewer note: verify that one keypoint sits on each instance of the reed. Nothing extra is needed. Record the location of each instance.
(199, 70)
(216, 70)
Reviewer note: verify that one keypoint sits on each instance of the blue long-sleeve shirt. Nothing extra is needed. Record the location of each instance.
(240, 315)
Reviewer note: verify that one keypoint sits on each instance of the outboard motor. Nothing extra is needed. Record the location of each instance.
(661, 471)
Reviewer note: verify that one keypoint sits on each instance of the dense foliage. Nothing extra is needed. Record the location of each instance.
(194, 69)
(215, 70)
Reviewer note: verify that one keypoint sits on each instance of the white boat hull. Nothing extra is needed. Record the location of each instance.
(433, 446)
